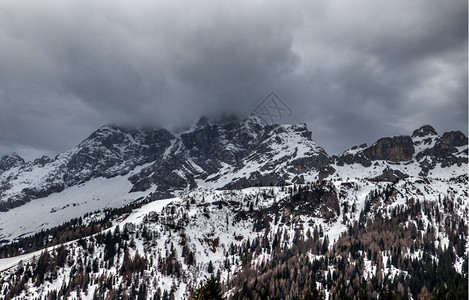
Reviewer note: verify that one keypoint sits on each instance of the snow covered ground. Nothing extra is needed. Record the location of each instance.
(6, 263)
(54, 210)
(156, 206)
(135, 217)
(210, 223)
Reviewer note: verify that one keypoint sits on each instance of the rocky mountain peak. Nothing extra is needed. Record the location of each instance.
(42, 161)
(235, 153)
(455, 138)
(296, 130)
(424, 131)
(394, 158)
(10, 161)
(357, 147)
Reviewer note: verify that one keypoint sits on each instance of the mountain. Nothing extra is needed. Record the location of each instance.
(424, 154)
(261, 207)
(115, 166)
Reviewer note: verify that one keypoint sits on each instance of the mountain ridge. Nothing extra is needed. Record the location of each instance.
(178, 159)
(227, 153)
(261, 206)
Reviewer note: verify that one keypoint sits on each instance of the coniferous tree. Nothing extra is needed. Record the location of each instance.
(211, 290)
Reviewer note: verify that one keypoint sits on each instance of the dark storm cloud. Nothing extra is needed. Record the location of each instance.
(353, 70)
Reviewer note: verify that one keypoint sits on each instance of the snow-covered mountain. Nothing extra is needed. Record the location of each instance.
(260, 206)
(222, 154)
(116, 166)
(108, 152)
(226, 153)
(425, 154)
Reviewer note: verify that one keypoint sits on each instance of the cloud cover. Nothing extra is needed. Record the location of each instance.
(352, 70)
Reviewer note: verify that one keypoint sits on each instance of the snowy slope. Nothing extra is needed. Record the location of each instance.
(135, 217)
(207, 224)
(73, 202)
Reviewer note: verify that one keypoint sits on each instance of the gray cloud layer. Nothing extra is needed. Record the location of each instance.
(353, 70)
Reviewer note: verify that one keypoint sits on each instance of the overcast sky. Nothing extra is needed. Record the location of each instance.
(353, 70)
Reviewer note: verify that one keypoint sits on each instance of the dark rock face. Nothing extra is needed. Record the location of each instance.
(10, 161)
(350, 159)
(167, 175)
(441, 150)
(204, 150)
(440, 153)
(326, 171)
(394, 149)
(426, 165)
(424, 131)
(265, 154)
(42, 161)
(304, 164)
(454, 138)
(112, 151)
(390, 175)
(13, 202)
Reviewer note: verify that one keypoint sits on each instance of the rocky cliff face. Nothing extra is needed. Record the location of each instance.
(10, 161)
(227, 153)
(454, 138)
(394, 149)
(423, 154)
(233, 154)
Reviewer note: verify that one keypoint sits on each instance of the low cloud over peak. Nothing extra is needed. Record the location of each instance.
(352, 70)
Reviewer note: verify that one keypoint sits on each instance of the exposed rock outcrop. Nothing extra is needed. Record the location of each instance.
(393, 149)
